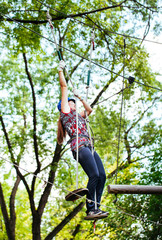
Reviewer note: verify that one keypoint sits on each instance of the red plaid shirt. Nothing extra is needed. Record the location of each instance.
(69, 123)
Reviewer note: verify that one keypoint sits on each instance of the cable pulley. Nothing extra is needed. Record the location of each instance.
(131, 80)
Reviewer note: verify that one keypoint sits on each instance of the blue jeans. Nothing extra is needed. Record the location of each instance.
(93, 167)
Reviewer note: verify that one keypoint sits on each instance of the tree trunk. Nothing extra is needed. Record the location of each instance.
(9, 230)
(36, 229)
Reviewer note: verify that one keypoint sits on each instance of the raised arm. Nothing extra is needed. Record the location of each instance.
(64, 90)
(87, 107)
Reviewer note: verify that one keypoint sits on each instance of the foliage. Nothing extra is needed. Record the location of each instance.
(36, 171)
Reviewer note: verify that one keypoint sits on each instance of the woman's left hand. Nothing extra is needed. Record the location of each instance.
(76, 94)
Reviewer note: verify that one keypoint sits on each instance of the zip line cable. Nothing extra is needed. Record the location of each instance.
(47, 182)
(97, 64)
(112, 95)
(120, 34)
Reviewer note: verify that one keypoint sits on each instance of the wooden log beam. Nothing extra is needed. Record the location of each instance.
(134, 189)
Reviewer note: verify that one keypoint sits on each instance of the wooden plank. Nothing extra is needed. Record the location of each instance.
(76, 194)
(134, 189)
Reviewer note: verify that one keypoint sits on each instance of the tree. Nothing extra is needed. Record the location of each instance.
(30, 92)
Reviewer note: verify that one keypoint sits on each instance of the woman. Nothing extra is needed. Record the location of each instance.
(91, 163)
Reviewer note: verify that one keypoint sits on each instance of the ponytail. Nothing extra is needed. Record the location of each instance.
(61, 133)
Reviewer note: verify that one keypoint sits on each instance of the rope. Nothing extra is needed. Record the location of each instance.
(121, 110)
(90, 61)
(47, 182)
(49, 18)
(77, 141)
(88, 82)
(97, 64)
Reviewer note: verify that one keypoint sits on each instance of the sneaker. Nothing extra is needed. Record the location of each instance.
(103, 212)
(92, 215)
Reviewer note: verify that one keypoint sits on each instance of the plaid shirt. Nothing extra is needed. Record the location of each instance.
(69, 123)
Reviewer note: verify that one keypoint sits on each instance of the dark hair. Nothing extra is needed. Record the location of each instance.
(61, 132)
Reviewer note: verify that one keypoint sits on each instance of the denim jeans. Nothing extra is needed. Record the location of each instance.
(93, 167)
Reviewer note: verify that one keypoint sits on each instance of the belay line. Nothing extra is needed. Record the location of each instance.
(87, 120)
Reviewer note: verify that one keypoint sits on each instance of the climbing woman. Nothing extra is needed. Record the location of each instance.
(90, 162)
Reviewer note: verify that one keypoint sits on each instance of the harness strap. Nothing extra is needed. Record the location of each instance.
(79, 136)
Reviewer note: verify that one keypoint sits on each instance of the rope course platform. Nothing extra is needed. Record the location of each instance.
(134, 189)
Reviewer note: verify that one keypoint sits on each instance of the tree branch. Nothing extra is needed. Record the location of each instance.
(34, 123)
(12, 204)
(124, 165)
(80, 61)
(104, 88)
(127, 145)
(10, 233)
(76, 231)
(135, 123)
(142, 5)
(16, 165)
(65, 221)
(7, 139)
(63, 15)
(112, 79)
(51, 177)
(61, 38)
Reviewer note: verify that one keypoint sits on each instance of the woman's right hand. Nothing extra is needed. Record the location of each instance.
(61, 66)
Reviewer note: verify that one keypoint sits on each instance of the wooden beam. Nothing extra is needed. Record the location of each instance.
(134, 189)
